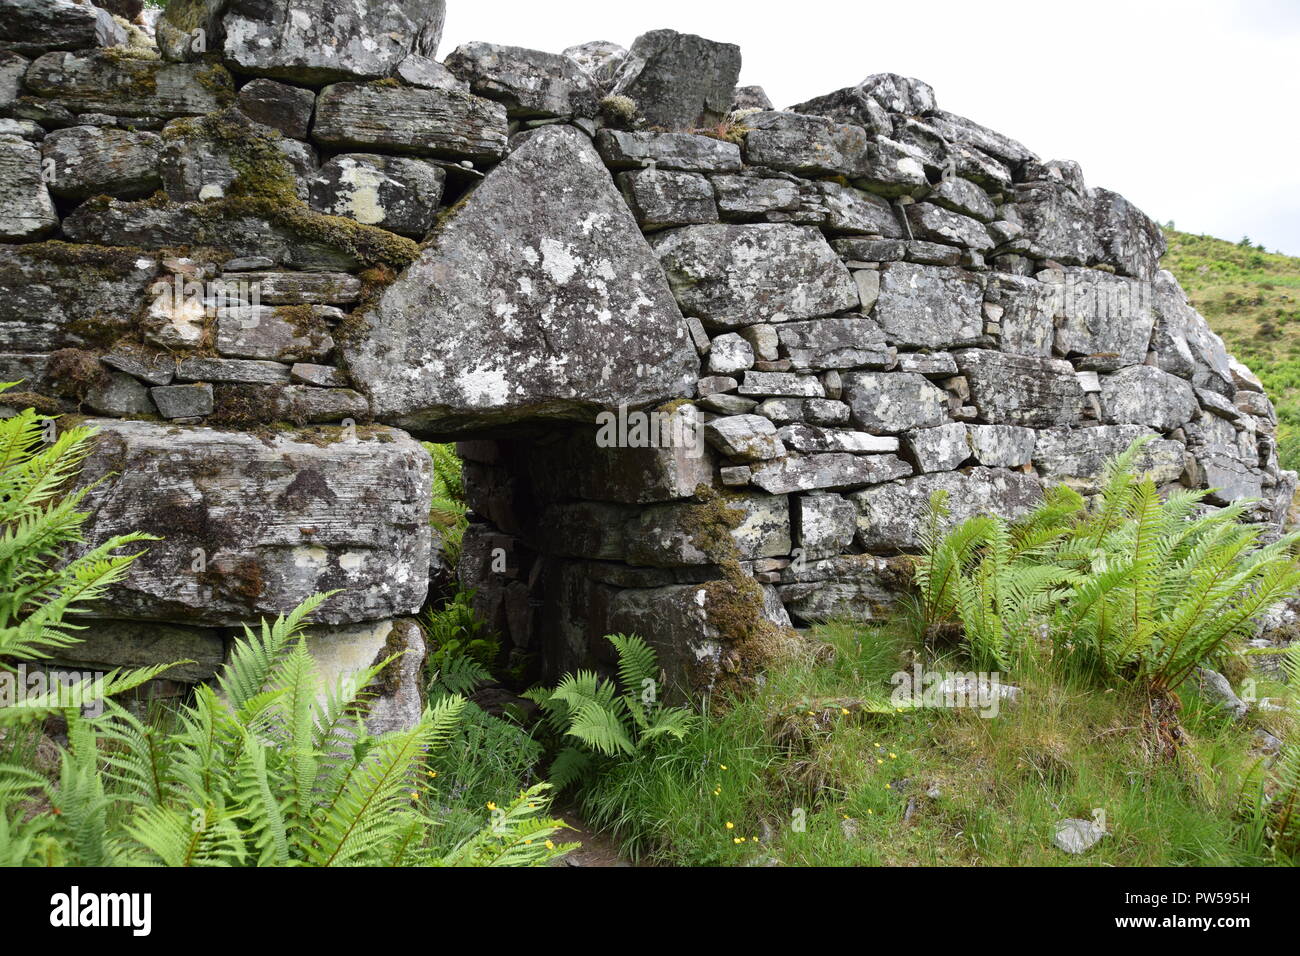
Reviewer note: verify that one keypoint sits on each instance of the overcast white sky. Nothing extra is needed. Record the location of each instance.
(1190, 109)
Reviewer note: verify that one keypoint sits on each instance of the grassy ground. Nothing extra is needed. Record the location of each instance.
(1252, 299)
(801, 774)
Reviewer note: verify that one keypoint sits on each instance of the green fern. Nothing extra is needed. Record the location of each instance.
(600, 720)
(264, 769)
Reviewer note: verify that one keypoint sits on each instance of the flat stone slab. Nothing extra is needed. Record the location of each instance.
(443, 123)
(98, 83)
(253, 524)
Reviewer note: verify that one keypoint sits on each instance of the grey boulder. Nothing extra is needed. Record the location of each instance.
(520, 309)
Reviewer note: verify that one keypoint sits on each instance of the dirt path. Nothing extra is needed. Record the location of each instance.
(596, 849)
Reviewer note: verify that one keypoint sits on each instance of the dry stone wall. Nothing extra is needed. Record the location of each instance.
(706, 360)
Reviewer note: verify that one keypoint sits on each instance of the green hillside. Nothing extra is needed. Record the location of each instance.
(1252, 299)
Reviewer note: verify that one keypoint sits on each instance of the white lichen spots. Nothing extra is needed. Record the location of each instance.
(483, 386)
(360, 193)
(558, 261)
(310, 556)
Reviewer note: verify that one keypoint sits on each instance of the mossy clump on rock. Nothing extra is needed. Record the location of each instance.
(735, 602)
(265, 187)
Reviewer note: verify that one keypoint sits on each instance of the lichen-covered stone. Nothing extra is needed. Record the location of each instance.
(732, 275)
(826, 524)
(187, 29)
(1127, 238)
(119, 86)
(1145, 395)
(396, 698)
(891, 517)
(831, 470)
(808, 145)
(1077, 456)
(937, 224)
(34, 26)
(929, 306)
(121, 396)
(443, 123)
(183, 401)
(667, 535)
(274, 333)
(203, 160)
(663, 198)
(679, 81)
(396, 193)
(239, 371)
(687, 152)
(813, 438)
(93, 160)
(61, 295)
(1099, 313)
(939, 448)
(861, 587)
(278, 105)
(252, 525)
(26, 210)
(319, 41)
(1057, 214)
(1021, 389)
(1002, 446)
(520, 308)
(530, 83)
(851, 210)
(1183, 342)
(744, 437)
(1025, 308)
(837, 343)
(894, 402)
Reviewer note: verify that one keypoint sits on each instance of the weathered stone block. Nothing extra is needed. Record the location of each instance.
(929, 306)
(529, 82)
(826, 524)
(940, 448)
(119, 86)
(1021, 389)
(1097, 313)
(62, 295)
(826, 471)
(894, 402)
(891, 517)
(26, 210)
(359, 116)
(662, 198)
(93, 160)
(318, 41)
(391, 192)
(252, 525)
(732, 275)
(520, 309)
(278, 105)
(678, 80)
(688, 152)
(805, 145)
(671, 535)
(834, 344)
(1145, 395)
